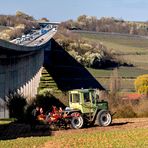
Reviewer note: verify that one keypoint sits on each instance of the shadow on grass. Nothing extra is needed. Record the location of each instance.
(111, 125)
(16, 130)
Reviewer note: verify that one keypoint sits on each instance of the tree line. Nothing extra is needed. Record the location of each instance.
(106, 24)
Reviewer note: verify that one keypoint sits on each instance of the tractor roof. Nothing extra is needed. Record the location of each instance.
(81, 90)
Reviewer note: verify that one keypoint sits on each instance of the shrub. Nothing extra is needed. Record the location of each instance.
(16, 103)
(142, 108)
(126, 108)
(121, 108)
(125, 111)
(46, 101)
(141, 84)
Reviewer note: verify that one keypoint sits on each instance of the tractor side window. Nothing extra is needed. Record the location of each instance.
(76, 98)
(86, 97)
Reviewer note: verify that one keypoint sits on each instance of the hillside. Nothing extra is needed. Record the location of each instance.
(87, 52)
(132, 49)
(125, 41)
(129, 52)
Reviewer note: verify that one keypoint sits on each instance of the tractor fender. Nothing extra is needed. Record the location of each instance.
(74, 112)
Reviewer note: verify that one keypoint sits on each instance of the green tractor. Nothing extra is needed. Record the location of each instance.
(86, 108)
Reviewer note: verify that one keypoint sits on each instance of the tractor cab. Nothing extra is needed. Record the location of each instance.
(86, 100)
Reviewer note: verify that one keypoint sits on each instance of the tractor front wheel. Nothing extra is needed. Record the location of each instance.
(104, 118)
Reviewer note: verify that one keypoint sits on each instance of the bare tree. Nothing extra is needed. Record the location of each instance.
(115, 81)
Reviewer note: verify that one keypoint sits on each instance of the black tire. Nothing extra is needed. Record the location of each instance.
(104, 118)
(77, 122)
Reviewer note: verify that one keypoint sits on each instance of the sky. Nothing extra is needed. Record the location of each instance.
(62, 10)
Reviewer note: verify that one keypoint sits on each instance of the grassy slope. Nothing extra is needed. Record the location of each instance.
(114, 138)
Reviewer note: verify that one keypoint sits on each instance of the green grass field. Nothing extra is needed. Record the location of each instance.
(135, 138)
(124, 44)
(127, 74)
(130, 72)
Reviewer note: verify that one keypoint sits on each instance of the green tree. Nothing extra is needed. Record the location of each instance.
(115, 81)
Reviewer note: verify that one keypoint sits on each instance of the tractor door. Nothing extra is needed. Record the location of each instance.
(87, 102)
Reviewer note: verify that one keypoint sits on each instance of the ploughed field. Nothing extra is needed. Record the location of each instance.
(131, 133)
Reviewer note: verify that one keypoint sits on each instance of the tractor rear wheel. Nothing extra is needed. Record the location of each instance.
(104, 118)
(77, 122)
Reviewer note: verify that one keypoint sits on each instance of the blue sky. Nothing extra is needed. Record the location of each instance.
(61, 10)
